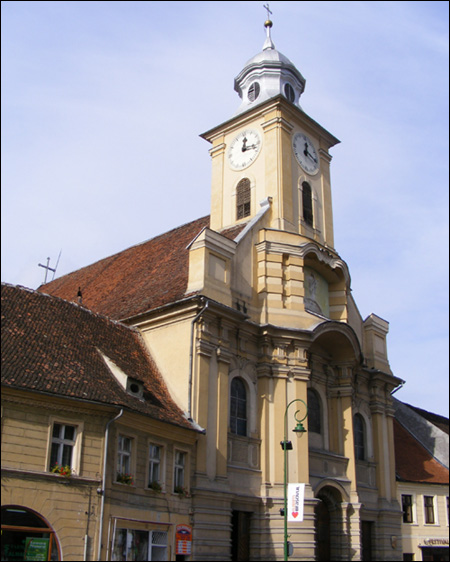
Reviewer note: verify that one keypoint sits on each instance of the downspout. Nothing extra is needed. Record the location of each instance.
(101, 491)
(191, 359)
(399, 387)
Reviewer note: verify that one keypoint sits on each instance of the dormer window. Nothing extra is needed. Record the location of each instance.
(243, 199)
(135, 388)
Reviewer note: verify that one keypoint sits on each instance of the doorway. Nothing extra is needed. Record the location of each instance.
(323, 532)
(240, 536)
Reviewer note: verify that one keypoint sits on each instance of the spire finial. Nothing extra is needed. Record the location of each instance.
(268, 44)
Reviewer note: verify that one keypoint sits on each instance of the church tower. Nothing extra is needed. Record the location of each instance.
(272, 150)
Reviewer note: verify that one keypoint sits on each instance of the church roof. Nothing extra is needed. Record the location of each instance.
(58, 348)
(138, 279)
(413, 463)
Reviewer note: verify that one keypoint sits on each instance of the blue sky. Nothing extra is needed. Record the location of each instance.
(103, 104)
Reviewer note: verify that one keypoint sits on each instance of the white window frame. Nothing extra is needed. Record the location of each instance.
(151, 544)
(162, 464)
(435, 510)
(413, 507)
(120, 453)
(77, 442)
(185, 468)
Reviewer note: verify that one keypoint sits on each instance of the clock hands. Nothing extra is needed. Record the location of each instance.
(308, 154)
(245, 147)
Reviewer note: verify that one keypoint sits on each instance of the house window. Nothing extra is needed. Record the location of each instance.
(243, 199)
(134, 544)
(179, 472)
(63, 444)
(428, 504)
(360, 437)
(124, 447)
(154, 466)
(307, 203)
(238, 407)
(407, 507)
(314, 413)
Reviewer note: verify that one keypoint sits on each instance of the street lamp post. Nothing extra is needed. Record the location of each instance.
(287, 445)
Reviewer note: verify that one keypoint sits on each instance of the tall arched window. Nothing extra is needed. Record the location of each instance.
(243, 199)
(238, 407)
(307, 203)
(314, 412)
(359, 431)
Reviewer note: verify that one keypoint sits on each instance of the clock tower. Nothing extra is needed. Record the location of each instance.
(271, 155)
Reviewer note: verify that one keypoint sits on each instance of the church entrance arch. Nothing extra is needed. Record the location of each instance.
(26, 535)
(328, 524)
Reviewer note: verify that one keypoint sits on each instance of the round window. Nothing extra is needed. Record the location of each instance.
(253, 91)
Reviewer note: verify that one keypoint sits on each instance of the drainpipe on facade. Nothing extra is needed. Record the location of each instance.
(102, 489)
(399, 387)
(191, 360)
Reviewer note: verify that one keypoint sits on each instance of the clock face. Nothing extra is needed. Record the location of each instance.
(305, 153)
(244, 149)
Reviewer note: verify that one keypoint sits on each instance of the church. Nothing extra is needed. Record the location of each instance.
(249, 317)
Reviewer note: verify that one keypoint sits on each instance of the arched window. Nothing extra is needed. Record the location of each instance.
(243, 199)
(238, 407)
(314, 412)
(24, 533)
(359, 431)
(307, 203)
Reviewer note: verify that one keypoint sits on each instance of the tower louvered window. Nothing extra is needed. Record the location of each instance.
(307, 203)
(243, 199)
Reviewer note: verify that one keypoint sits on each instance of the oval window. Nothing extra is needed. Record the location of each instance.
(253, 91)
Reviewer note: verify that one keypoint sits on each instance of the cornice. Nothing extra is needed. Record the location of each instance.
(323, 255)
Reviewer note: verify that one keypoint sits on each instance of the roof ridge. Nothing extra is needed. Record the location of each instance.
(115, 255)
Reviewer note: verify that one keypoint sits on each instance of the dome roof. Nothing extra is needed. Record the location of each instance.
(266, 75)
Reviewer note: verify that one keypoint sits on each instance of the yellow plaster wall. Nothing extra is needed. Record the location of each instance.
(162, 339)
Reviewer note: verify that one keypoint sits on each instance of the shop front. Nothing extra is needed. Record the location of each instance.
(26, 535)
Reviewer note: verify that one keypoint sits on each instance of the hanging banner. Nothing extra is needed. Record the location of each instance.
(296, 495)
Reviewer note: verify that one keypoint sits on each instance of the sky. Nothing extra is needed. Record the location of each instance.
(103, 105)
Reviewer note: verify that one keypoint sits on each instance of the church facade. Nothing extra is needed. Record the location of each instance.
(249, 316)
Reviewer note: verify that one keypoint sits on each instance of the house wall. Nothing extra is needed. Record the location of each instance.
(72, 505)
(418, 535)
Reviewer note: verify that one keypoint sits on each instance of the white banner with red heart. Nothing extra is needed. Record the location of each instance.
(296, 494)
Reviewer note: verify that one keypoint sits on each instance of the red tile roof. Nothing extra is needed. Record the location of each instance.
(56, 347)
(138, 279)
(141, 278)
(413, 463)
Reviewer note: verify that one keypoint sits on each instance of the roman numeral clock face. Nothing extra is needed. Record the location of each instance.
(244, 149)
(305, 153)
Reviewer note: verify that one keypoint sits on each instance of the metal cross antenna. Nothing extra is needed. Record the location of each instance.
(268, 10)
